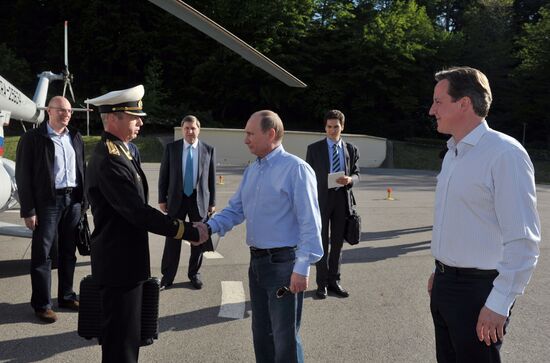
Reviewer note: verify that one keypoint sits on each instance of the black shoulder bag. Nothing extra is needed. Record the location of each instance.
(83, 236)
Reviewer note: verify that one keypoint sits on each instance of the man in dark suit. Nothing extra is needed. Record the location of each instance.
(332, 155)
(187, 188)
(50, 178)
(117, 189)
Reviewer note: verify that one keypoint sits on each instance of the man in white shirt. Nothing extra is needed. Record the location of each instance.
(486, 229)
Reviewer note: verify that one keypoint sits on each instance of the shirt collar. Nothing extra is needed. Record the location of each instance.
(331, 143)
(193, 145)
(272, 155)
(473, 136)
(51, 131)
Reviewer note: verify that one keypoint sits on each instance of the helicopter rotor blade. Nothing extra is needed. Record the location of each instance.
(215, 31)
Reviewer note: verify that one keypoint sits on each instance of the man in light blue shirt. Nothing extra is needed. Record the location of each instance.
(278, 199)
(50, 177)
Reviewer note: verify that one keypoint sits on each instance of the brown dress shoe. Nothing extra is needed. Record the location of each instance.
(47, 315)
(69, 304)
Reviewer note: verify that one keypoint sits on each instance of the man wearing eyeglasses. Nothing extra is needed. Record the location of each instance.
(50, 177)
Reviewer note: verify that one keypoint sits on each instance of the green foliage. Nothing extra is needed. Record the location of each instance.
(532, 77)
(14, 69)
(373, 59)
(155, 99)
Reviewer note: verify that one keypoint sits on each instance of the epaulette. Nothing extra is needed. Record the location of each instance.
(111, 146)
(126, 152)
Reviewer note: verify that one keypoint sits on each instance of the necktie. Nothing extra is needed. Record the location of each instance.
(335, 159)
(188, 179)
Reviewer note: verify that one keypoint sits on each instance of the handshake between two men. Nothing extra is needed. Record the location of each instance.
(197, 233)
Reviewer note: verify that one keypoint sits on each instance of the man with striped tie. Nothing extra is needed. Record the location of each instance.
(332, 155)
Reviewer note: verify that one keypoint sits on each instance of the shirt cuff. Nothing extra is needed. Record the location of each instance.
(499, 303)
(301, 266)
(215, 227)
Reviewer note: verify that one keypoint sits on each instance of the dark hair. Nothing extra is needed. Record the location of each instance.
(191, 118)
(468, 82)
(335, 114)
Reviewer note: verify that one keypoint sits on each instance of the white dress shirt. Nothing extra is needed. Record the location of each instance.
(485, 212)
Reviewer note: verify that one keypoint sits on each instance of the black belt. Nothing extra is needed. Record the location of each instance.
(463, 271)
(64, 191)
(260, 252)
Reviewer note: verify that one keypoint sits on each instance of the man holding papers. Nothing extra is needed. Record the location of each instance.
(335, 164)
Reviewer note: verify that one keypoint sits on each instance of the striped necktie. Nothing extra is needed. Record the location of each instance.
(335, 159)
(188, 179)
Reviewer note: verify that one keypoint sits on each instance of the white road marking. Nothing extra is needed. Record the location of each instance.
(233, 300)
(210, 254)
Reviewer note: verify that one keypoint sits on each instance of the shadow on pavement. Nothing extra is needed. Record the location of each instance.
(371, 254)
(12, 268)
(394, 233)
(32, 349)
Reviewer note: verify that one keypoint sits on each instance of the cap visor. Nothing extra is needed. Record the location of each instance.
(136, 113)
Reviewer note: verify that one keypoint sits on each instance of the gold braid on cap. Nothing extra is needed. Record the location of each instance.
(181, 229)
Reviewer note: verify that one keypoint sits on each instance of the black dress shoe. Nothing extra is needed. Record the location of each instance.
(338, 290)
(321, 292)
(196, 282)
(164, 286)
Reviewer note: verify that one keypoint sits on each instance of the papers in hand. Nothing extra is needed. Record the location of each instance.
(332, 179)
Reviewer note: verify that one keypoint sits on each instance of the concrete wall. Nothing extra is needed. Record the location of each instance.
(231, 150)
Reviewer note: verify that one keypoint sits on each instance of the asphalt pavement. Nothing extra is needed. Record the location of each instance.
(385, 319)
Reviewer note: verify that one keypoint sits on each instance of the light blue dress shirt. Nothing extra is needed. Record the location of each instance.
(278, 198)
(64, 163)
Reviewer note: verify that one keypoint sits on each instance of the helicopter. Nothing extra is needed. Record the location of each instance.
(15, 105)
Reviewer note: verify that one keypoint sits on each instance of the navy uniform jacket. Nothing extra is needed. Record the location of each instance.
(117, 191)
(34, 169)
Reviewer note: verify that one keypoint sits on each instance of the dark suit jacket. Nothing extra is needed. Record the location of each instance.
(34, 169)
(171, 177)
(317, 157)
(117, 190)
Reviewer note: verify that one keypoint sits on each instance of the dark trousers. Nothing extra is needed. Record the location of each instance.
(275, 321)
(172, 247)
(121, 323)
(333, 218)
(56, 221)
(455, 303)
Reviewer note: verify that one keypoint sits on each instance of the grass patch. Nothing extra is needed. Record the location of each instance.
(405, 155)
(425, 157)
(150, 147)
(416, 156)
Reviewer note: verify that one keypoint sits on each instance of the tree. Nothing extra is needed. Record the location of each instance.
(533, 77)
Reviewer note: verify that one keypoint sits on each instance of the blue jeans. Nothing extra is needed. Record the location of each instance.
(275, 322)
(56, 220)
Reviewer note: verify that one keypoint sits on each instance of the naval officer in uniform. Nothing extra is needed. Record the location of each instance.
(117, 191)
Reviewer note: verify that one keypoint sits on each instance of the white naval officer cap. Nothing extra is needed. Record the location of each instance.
(126, 100)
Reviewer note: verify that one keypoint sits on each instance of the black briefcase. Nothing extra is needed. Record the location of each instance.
(352, 232)
(89, 312)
